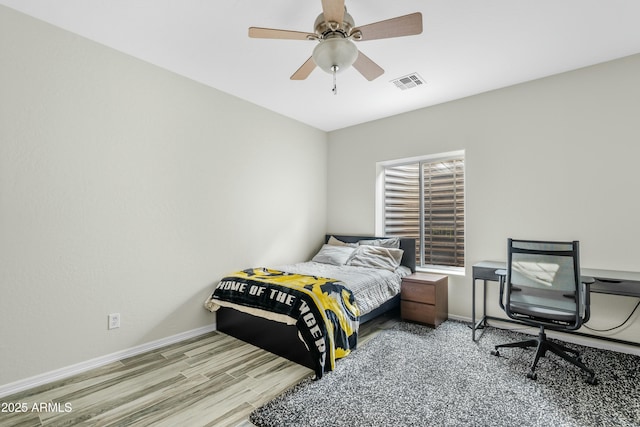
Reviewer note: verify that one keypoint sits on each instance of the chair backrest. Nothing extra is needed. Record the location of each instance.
(543, 284)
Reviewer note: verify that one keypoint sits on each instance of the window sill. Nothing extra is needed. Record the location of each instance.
(450, 271)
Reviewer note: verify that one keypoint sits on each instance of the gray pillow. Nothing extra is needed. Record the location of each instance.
(376, 257)
(392, 242)
(336, 242)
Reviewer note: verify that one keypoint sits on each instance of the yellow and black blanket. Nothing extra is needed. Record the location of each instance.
(324, 310)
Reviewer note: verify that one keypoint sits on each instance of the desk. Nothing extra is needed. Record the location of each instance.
(606, 282)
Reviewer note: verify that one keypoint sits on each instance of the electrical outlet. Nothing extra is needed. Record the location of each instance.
(114, 321)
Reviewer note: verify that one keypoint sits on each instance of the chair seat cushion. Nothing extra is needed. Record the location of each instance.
(542, 312)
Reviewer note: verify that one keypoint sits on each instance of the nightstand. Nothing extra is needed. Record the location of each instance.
(424, 298)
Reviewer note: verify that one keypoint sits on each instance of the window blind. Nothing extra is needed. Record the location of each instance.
(425, 200)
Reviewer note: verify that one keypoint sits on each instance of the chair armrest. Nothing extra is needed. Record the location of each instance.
(502, 275)
(587, 281)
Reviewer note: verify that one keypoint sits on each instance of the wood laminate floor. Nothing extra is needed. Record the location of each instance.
(210, 380)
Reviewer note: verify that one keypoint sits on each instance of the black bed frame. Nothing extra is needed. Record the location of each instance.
(282, 339)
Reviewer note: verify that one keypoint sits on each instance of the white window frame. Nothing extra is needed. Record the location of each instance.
(380, 200)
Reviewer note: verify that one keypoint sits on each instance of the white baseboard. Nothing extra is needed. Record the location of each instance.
(58, 374)
(575, 339)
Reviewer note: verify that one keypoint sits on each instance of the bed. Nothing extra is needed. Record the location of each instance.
(271, 333)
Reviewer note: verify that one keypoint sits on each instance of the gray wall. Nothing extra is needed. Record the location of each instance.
(123, 188)
(555, 158)
(126, 188)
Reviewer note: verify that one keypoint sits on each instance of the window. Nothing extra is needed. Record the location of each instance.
(424, 198)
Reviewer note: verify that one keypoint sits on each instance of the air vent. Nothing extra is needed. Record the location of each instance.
(408, 82)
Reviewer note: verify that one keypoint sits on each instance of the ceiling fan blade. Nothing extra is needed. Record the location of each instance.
(304, 71)
(407, 25)
(369, 69)
(333, 10)
(272, 33)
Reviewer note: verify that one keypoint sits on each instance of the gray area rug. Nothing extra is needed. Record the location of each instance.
(413, 375)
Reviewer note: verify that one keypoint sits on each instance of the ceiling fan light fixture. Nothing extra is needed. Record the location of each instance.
(335, 54)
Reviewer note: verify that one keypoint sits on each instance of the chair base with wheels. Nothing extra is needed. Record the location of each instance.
(542, 287)
(543, 345)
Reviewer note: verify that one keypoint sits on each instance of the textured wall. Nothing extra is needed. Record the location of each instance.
(126, 188)
(555, 158)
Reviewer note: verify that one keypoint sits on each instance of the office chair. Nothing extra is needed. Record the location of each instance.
(542, 287)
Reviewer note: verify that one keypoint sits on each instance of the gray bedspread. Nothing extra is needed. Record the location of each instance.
(371, 287)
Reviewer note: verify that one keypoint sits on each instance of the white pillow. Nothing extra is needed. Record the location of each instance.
(376, 257)
(335, 255)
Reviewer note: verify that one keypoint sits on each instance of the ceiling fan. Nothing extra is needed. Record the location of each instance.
(335, 32)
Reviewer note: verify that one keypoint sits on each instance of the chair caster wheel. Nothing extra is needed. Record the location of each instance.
(592, 381)
(532, 376)
(495, 353)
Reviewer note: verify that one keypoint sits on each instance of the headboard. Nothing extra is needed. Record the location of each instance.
(408, 245)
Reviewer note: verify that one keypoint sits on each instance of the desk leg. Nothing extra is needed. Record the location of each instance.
(484, 302)
(483, 320)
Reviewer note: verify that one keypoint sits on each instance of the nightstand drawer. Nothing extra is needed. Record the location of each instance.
(418, 292)
(417, 312)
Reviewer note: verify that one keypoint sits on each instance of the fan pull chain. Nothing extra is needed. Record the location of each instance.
(335, 86)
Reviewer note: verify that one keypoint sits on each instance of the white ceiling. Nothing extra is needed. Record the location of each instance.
(467, 47)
